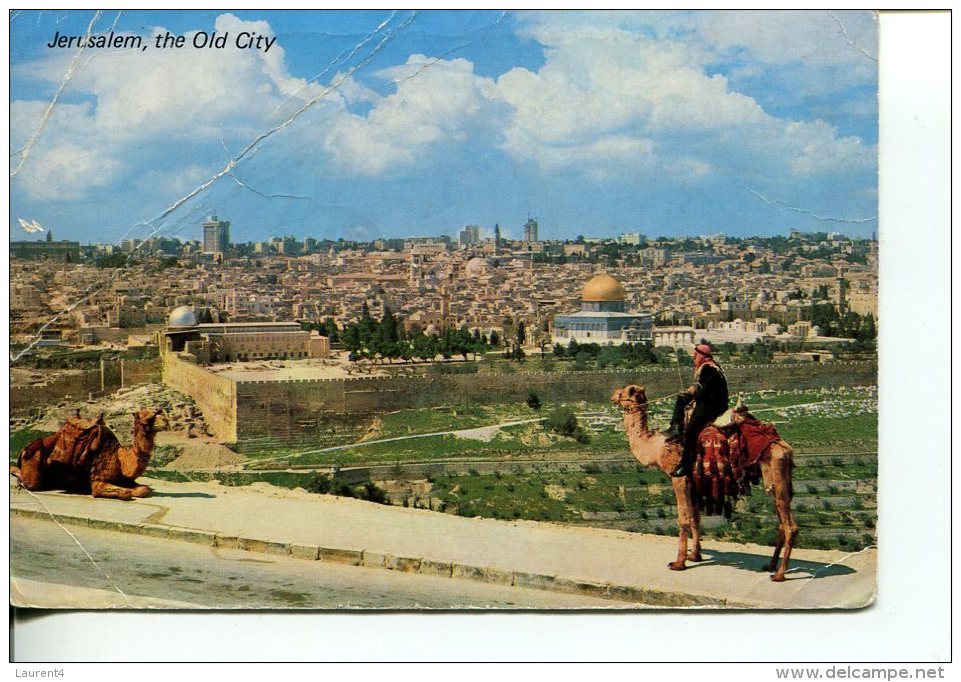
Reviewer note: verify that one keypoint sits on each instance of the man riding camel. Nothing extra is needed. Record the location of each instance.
(709, 394)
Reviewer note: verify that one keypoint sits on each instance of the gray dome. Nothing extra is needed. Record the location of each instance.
(476, 266)
(182, 316)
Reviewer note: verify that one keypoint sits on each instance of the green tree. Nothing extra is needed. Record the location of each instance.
(425, 347)
(521, 336)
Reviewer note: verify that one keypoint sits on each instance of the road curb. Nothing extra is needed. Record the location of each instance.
(371, 559)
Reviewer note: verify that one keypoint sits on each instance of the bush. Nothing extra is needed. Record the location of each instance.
(319, 484)
(341, 489)
(372, 493)
(533, 401)
(563, 421)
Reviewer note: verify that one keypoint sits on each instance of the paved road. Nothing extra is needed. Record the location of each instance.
(178, 574)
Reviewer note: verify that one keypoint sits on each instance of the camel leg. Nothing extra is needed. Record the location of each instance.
(788, 532)
(772, 564)
(695, 554)
(104, 489)
(768, 474)
(683, 499)
(787, 527)
(140, 491)
(29, 471)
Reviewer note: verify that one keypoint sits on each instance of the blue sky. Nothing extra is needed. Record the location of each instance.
(379, 123)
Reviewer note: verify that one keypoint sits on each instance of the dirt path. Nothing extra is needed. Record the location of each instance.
(484, 433)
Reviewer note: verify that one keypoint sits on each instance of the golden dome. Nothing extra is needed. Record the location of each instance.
(603, 288)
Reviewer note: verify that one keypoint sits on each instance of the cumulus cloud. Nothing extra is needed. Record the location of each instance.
(436, 101)
(135, 98)
(622, 96)
(66, 171)
(611, 77)
(813, 37)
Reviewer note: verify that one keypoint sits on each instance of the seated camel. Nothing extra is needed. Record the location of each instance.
(652, 449)
(86, 457)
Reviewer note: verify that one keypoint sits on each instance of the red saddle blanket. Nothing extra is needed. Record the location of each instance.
(727, 463)
(751, 441)
(76, 440)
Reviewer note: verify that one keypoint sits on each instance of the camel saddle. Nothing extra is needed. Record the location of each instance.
(751, 440)
(715, 482)
(77, 439)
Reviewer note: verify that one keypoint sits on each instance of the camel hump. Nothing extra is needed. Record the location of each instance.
(78, 423)
(78, 438)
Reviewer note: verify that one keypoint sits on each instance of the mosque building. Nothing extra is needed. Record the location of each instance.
(240, 341)
(603, 318)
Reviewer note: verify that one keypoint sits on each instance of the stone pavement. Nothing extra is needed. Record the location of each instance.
(622, 566)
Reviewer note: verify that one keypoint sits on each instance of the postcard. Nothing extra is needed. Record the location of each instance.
(433, 310)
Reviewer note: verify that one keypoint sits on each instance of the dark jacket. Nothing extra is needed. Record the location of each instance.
(710, 393)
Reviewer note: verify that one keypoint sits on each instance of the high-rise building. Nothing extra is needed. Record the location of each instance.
(129, 245)
(470, 236)
(216, 235)
(530, 230)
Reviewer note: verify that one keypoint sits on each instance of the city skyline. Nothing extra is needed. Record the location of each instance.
(672, 123)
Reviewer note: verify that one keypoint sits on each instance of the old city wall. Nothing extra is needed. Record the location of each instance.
(78, 386)
(216, 396)
(295, 412)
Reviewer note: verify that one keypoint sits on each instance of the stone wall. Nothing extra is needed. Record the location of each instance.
(273, 413)
(81, 385)
(216, 396)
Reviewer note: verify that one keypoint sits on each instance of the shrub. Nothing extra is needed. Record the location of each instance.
(562, 421)
(341, 489)
(533, 401)
(319, 483)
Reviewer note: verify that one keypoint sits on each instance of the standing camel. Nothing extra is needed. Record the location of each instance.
(652, 449)
(86, 457)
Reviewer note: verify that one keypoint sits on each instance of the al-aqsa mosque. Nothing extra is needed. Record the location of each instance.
(603, 318)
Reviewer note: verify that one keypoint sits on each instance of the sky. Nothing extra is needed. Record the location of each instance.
(367, 124)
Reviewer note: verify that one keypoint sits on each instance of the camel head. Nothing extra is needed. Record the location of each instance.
(630, 396)
(150, 421)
